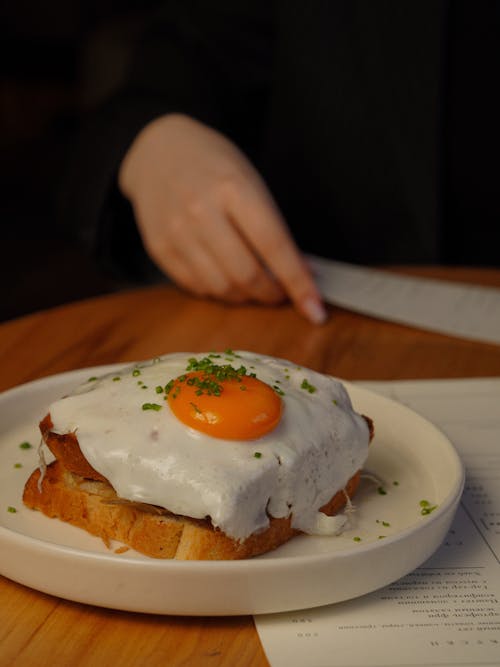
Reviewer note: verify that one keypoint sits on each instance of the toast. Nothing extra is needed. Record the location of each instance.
(131, 466)
(94, 506)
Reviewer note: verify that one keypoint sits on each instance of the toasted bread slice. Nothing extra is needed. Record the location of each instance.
(94, 506)
(73, 491)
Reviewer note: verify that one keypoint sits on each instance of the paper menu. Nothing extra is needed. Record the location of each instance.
(447, 612)
(456, 309)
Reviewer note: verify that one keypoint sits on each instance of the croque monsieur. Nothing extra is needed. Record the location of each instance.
(202, 457)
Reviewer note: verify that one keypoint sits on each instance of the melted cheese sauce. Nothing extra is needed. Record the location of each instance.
(149, 456)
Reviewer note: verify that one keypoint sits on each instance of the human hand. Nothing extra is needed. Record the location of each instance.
(208, 221)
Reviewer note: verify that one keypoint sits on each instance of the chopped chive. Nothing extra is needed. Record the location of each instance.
(426, 507)
(151, 406)
(258, 455)
(25, 445)
(11, 509)
(308, 386)
(211, 378)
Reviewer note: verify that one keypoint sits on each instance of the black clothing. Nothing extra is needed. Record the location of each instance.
(373, 123)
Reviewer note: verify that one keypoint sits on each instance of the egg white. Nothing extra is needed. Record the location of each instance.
(149, 456)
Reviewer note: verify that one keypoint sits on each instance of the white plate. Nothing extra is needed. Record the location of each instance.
(413, 458)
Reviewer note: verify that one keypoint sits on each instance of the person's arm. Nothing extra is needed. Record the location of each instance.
(204, 215)
(208, 220)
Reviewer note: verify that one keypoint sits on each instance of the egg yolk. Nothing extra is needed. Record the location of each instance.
(242, 409)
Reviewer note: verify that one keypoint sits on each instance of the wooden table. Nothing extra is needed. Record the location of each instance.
(38, 629)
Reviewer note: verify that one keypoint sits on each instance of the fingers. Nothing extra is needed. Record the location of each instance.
(260, 222)
(235, 248)
(205, 254)
(237, 260)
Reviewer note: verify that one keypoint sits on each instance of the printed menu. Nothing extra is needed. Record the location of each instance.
(446, 612)
(455, 309)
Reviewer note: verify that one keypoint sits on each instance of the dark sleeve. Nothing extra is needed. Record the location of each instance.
(208, 60)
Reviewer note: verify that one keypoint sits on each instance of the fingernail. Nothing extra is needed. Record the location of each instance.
(314, 311)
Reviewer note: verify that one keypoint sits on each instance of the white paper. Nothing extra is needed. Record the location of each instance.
(456, 309)
(447, 612)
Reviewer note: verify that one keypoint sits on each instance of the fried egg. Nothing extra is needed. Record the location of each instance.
(233, 436)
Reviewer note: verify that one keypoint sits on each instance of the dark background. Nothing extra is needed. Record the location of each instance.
(61, 58)
(58, 59)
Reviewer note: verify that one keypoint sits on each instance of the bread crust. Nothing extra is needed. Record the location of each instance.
(65, 448)
(94, 506)
(72, 491)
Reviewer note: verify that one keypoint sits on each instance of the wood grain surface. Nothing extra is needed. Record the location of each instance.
(38, 629)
